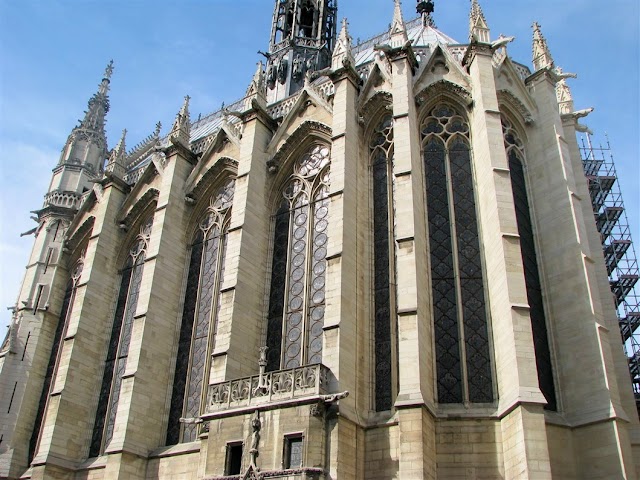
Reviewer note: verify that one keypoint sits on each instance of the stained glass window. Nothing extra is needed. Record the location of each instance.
(381, 151)
(515, 153)
(54, 357)
(459, 310)
(118, 351)
(297, 297)
(200, 315)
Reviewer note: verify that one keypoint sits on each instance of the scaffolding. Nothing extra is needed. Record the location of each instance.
(619, 253)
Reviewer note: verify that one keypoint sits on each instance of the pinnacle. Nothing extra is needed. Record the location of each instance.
(541, 55)
(181, 131)
(398, 30)
(478, 27)
(343, 54)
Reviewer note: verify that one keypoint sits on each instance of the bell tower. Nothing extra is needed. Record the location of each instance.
(303, 36)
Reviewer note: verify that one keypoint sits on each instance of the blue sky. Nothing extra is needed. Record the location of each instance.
(53, 54)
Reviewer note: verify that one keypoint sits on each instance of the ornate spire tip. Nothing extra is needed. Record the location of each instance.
(109, 70)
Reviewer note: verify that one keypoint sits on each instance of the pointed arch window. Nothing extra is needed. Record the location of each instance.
(381, 155)
(200, 316)
(118, 350)
(463, 359)
(54, 357)
(297, 297)
(516, 154)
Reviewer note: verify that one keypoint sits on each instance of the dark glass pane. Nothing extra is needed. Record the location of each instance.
(382, 301)
(103, 401)
(532, 280)
(476, 333)
(123, 349)
(278, 281)
(315, 311)
(449, 373)
(199, 346)
(51, 367)
(184, 345)
(297, 279)
(295, 453)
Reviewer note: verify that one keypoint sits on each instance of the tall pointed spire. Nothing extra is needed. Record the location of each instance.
(116, 164)
(478, 27)
(95, 116)
(343, 54)
(181, 131)
(541, 55)
(398, 31)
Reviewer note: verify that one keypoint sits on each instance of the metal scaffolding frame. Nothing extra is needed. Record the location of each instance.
(619, 252)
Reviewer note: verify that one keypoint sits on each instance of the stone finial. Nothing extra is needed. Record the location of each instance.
(541, 55)
(398, 30)
(478, 27)
(343, 54)
(181, 131)
(109, 70)
(156, 132)
(117, 159)
(256, 90)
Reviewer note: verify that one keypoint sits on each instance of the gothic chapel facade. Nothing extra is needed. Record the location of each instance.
(381, 263)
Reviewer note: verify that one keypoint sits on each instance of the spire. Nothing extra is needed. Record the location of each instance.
(425, 8)
(94, 117)
(343, 55)
(181, 131)
(117, 159)
(398, 31)
(541, 54)
(256, 90)
(478, 28)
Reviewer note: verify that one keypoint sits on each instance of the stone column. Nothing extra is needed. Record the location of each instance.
(141, 416)
(415, 333)
(581, 317)
(240, 324)
(520, 400)
(70, 413)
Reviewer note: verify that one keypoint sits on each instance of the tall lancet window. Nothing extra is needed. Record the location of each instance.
(200, 316)
(463, 359)
(381, 149)
(296, 303)
(118, 351)
(54, 357)
(515, 154)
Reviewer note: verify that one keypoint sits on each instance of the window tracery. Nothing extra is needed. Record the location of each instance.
(118, 350)
(463, 360)
(200, 315)
(516, 155)
(297, 297)
(56, 350)
(381, 155)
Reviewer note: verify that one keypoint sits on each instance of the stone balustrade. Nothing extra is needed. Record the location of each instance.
(309, 381)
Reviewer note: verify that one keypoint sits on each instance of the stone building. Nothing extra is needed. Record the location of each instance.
(382, 262)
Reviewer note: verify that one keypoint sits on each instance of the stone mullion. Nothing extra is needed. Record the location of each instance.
(580, 329)
(71, 412)
(517, 377)
(140, 423)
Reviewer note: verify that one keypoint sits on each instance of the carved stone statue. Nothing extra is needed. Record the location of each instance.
(256, 425)
(283, 69)
(297, 68)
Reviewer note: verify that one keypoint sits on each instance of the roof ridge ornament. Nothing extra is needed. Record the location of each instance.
(181, 131)
(425, 8)
(478, 28)
(541, 54)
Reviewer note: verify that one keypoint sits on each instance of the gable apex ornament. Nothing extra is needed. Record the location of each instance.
(117, 159)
